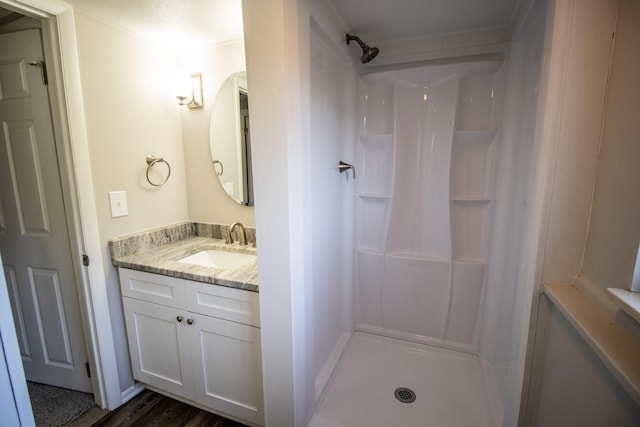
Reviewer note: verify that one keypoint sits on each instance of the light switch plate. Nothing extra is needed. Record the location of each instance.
(118, 202)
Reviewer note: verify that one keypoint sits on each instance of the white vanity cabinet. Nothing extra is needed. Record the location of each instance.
(197, 341)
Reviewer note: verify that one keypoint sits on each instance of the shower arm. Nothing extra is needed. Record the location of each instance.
(357, 40)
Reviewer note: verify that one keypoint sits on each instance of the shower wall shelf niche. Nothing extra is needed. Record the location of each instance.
(374, 157)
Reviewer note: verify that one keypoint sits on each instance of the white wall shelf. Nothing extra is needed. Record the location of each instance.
(369, 251)
(471, 200)
(629, 301)
(374, 195)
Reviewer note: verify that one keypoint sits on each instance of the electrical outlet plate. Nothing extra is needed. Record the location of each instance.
(118, 203)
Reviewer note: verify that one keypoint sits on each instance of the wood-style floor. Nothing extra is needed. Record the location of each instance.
(152, 409)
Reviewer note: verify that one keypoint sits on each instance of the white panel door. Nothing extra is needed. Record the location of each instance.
(15, 406)
(34, 238)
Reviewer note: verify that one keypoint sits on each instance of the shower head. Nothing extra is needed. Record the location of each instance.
(368, 52)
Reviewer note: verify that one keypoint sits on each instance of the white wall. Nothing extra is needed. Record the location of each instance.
(568, 384)
(129, 114)
(577, 389)
(332, 109)
(505, 313)
(582, 37)
(614, 230)
(277, 44)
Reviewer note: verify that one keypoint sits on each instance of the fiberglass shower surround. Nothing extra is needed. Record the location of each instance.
(426, 157)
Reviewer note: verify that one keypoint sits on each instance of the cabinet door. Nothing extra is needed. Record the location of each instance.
(159, 346)
(227, 367)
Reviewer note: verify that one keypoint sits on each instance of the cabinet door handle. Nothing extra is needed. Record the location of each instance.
(190, 321)
(179, 319)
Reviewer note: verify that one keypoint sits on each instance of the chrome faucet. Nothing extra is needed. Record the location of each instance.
(242, 237)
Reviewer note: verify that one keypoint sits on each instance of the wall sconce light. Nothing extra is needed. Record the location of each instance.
(189, 90)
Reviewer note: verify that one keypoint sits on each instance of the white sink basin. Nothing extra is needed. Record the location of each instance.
(218, 259)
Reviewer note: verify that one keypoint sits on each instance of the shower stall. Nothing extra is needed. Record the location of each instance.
(427, 158)
(417, 298)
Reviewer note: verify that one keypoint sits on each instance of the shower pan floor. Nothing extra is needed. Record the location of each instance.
(448, 385)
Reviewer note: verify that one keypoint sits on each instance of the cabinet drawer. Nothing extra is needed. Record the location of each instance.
(150, 287)
(224, 303)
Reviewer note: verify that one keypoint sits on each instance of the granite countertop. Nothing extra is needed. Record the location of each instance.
(163, 260)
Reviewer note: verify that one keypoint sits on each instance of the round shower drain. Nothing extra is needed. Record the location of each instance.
(405, 395)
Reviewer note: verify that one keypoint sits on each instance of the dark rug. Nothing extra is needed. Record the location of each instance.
(55, 406)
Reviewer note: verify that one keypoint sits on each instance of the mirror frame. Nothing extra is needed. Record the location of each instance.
(238, 155)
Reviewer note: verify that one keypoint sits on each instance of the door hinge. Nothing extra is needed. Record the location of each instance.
(85, 260)
(88, 368)
(43, 70)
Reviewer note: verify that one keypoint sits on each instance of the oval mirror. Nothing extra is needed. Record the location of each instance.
(230, 140)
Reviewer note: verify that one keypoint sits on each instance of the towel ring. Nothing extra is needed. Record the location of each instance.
(152, 160)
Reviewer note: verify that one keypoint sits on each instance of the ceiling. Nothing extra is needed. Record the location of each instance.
(214, 21)
(195, 21)
(383, 20)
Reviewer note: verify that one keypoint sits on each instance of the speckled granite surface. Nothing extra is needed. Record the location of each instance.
(158, 251)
